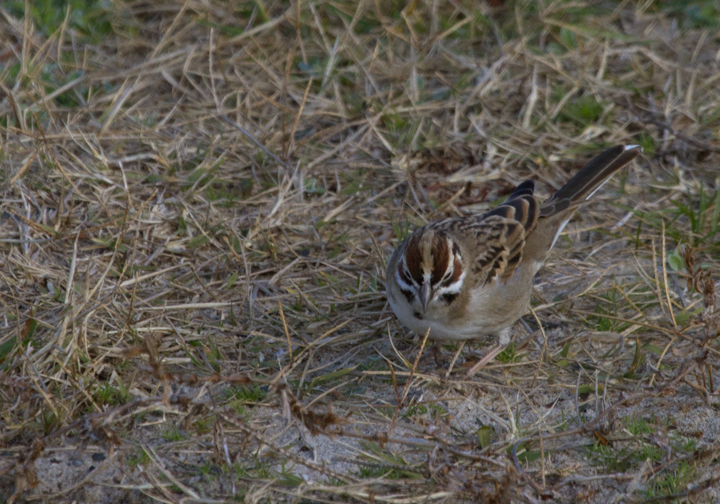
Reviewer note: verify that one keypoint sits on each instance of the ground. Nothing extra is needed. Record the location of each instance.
(198, 199)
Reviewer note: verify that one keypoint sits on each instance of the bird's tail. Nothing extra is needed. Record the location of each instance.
(590, 178)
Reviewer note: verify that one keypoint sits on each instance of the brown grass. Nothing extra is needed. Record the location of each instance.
(198, 200)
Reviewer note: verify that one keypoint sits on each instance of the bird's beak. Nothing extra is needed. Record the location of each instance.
(425, 293)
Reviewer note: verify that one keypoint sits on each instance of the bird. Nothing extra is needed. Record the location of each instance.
(471, 276)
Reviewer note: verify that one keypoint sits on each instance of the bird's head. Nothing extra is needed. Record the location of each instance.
(431, 269)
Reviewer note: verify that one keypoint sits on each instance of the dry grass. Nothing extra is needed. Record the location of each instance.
(198, 199)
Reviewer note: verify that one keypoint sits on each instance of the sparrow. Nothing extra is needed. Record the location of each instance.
(471, 277)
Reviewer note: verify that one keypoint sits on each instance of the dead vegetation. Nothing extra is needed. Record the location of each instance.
(198, 200)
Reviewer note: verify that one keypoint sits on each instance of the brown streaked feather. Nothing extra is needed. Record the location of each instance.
(504, 230)
(499, 235)
(441, 262)
(521, 206)
(427, 251)
(413, 258)
(499, 248)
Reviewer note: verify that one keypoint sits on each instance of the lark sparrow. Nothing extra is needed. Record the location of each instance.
(469, 277)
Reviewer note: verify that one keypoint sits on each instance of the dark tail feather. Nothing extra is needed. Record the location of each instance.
(521, 206)
(588, 180)
(527, 188)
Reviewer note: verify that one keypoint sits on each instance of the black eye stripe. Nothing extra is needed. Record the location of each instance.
(446, 282)
(409, 295)
(449, 297)
(406, 277)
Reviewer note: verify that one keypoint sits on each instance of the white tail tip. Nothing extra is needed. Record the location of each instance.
(631, 147)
